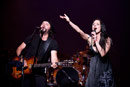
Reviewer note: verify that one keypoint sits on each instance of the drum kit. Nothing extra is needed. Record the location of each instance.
(74, 74)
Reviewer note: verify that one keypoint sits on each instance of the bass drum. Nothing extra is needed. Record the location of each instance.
(67, 77)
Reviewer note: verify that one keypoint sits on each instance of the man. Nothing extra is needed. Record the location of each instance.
(42, 47)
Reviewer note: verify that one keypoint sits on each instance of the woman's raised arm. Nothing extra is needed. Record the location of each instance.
(75, 27)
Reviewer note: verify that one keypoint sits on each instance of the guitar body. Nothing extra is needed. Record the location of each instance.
(17, 73)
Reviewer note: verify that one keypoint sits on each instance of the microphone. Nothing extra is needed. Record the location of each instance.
(41, 30)
(94, 30)
(38, 29)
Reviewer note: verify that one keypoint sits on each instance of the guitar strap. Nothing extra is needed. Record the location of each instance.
(44, 48)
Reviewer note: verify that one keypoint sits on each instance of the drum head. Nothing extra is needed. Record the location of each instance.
(64, 74)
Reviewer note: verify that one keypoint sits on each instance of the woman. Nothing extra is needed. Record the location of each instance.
(100, 73)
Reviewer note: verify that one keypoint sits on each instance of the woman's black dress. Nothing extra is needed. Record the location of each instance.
(100, 72)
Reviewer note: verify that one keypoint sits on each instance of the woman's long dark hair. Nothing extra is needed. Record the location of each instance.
(104, 34)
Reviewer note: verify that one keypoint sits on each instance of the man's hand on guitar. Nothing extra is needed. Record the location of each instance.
(54, 65)
(25, 62)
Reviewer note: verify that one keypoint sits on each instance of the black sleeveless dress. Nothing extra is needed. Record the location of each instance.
(100, 72)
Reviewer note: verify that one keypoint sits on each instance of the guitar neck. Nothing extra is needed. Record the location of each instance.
(42, 65)
(46, 64)
(65, 63)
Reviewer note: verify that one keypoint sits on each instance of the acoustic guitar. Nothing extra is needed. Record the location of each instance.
(17, 71)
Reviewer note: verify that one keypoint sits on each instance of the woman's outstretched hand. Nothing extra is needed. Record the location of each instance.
(65, 17)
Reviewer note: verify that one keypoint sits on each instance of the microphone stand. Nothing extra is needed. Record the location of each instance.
(22, 81)
(22, 71)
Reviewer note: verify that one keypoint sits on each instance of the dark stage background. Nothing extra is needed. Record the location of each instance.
(19, 18)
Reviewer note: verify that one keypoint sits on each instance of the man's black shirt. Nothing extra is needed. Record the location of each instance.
(35, 45)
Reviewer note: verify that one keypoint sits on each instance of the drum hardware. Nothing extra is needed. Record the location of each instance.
(73, 71)
(68, 76)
